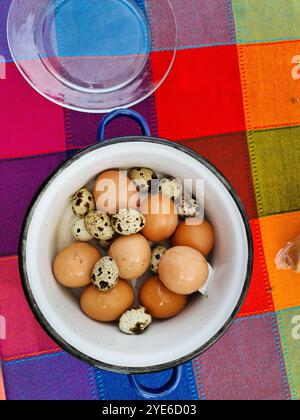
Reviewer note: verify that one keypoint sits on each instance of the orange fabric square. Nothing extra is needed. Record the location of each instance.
(202, 95)
(276, 232)
(271, 93)
(259, 298)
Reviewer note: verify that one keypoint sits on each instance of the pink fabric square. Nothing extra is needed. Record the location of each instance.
(29, 124)
(24, 336)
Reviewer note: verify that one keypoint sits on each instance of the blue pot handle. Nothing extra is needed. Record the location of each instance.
(143, 391)
(133, 115)
(152, 393)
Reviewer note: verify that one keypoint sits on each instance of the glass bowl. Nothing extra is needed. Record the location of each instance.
(93, 55)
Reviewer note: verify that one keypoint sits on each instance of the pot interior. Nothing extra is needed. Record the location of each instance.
(48, 231)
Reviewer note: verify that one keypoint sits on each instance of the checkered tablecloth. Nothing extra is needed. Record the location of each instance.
(233, 96)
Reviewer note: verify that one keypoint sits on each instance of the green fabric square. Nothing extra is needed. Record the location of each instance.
(266, 20)
(289, 329)
(275, 158)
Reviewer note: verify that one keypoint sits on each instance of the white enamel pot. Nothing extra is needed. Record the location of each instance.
(167, 344)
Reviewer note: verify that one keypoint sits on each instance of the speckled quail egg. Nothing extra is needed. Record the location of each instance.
(157, 254)
(144, 179)
(99, 226)
(105, 274)
(135, 321)
(79, 231)
(83, 203)
(188, 207)
(172, 187)
(128, 222)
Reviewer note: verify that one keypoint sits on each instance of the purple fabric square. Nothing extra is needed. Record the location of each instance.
(199, 22)
(246, 364)
(4, 50)
(20, 179)
(81, 129)
(51, 377)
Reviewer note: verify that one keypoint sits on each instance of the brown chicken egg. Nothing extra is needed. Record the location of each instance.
(183, 270)
(73, 266)
(132, 255)
(107, 306)
(161, 217)
(197, 236)
(113, 190)
(160, 301)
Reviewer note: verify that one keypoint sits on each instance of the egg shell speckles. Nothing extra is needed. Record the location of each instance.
(188, 207)
(79, 231)
(128, 222)
(83, 203)
(144, 178)
(157, 254)
(171, 187)
(99, 226)
(135, 321)
(105, 274)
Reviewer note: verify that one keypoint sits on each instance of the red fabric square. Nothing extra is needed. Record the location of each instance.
(202, 95)
(30, 124)
(229, 153)
(24, 336)
(259, 299)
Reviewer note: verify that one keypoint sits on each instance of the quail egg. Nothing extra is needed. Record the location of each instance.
(105, 274)
(188, 207)
(157, 254)
(128, 222)
(135, 321)
(144, 178)
(171, 187)
(79, 231)
(83, 203)
(99, 226)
